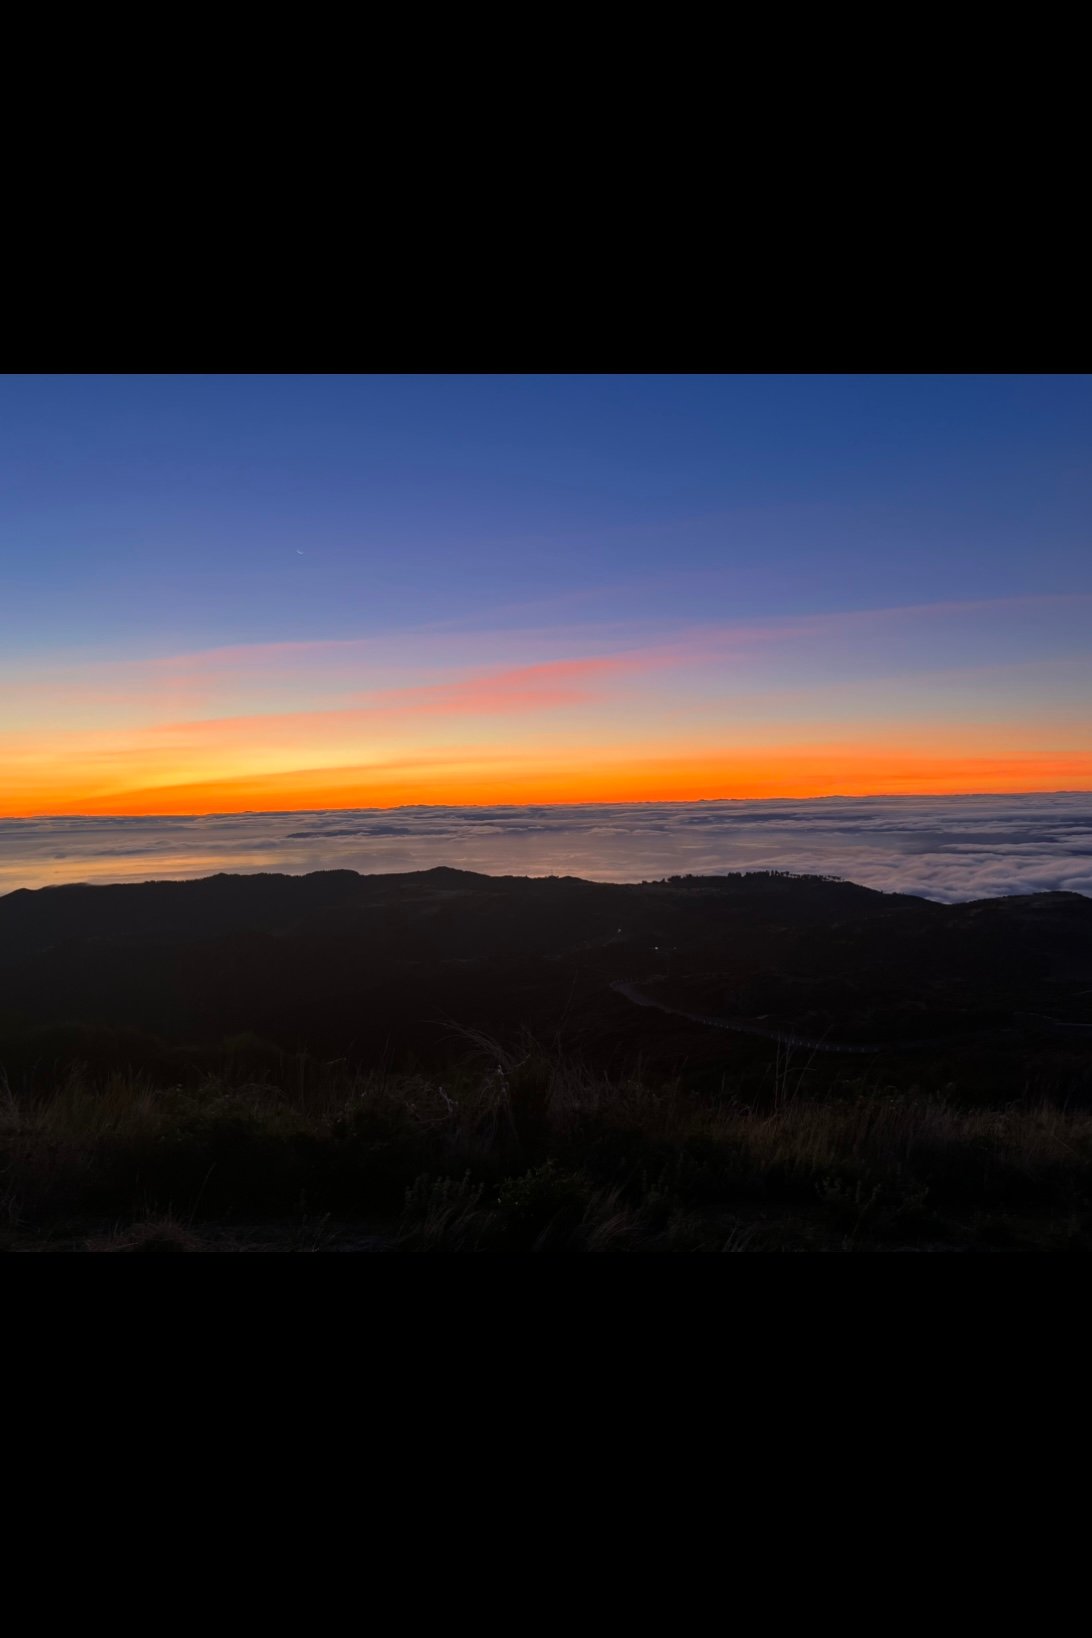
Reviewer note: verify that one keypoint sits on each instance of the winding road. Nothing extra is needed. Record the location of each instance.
(743, 1026)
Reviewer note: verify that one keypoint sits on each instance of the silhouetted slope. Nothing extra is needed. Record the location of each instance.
(342, 963)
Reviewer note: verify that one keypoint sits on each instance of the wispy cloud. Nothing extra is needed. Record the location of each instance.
(880, 699)
(517, 688)
(454, 643)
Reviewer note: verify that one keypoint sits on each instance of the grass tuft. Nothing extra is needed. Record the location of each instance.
(521, 1149)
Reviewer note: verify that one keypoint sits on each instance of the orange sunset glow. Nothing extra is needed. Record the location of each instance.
(867, 702)
(854, 770)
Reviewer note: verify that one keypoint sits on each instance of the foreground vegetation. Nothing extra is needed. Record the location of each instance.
(524, 1151)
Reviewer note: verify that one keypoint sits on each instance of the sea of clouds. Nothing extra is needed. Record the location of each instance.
(947, 848)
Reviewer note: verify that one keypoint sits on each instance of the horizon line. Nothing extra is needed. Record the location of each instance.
(663, 802)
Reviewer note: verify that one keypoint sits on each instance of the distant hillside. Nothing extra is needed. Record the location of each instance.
(343, 964)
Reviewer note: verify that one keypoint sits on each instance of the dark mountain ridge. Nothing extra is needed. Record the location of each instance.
(341, 963)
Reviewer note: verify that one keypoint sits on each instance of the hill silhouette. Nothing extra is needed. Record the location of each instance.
(343, 964)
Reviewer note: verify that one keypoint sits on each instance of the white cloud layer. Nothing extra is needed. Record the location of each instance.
(947, 848)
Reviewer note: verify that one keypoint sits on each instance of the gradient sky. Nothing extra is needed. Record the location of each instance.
(277, 592)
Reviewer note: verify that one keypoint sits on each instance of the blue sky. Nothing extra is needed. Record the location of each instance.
(168, 510)
(337, 590)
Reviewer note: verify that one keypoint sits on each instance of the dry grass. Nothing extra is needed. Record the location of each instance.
(154, 1234)
(520, 1149)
